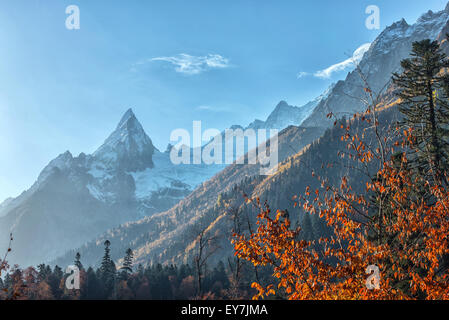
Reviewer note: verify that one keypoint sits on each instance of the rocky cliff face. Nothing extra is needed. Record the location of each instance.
(75, 199)
(165, 237)
(377, 65)
(128, 148)
(285, 115)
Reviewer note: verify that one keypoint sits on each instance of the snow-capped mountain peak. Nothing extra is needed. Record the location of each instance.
(128, 115)
(282, 115)
(76, 198)
(63, 161)
(285, 115)
(382, 59)
(128, 147)
(281, 105)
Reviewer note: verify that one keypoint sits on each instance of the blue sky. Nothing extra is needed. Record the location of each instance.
(222, 62)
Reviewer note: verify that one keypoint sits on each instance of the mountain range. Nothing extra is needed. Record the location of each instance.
(131, 194)
(77, 198)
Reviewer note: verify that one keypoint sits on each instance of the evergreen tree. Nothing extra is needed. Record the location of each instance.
(424, 92)
(78, 263)
(220, 275)
(43, 271)
(127, 267)
(140, 269)
(107, 270)
(128, 261)
(106, 262)
(92, 288)
(54, 281)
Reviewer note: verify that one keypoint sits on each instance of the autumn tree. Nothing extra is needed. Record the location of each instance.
(205, 246)
(423, 89)
(390, 225)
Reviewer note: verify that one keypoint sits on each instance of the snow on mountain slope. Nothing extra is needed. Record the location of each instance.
(378, 63)
(282, 117)
(75, 199)
(125, 179)
(285, 115)
(128, 147)
(156, 238)
(164, 237)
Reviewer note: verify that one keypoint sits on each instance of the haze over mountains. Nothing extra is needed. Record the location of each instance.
(169, 237)
(285, 115)
(76, 198)
(148, 204)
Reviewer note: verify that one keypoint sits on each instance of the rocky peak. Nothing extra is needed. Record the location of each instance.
(62, 162)
(128, 148)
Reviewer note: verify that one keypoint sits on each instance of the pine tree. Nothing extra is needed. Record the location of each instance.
(424, 93)
(92, 289)
(140, 269)
(54, 281)
(107, 269)
(43, 271)
(127, 267)
(128, 261)
(78, 263)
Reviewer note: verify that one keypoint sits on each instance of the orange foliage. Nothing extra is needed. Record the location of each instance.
(335, 267)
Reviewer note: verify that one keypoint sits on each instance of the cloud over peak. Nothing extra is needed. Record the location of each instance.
(341, 66)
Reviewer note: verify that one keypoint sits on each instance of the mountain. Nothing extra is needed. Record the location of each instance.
(285, 115)
(128, 148)
(75, 199)
(282, 117)
(377, 65)
(169, 237)
(162, 236)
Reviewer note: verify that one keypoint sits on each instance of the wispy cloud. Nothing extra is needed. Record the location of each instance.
(302, 75)
(191, 65)
(210, 108)
(207, 108)
(341, 66)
